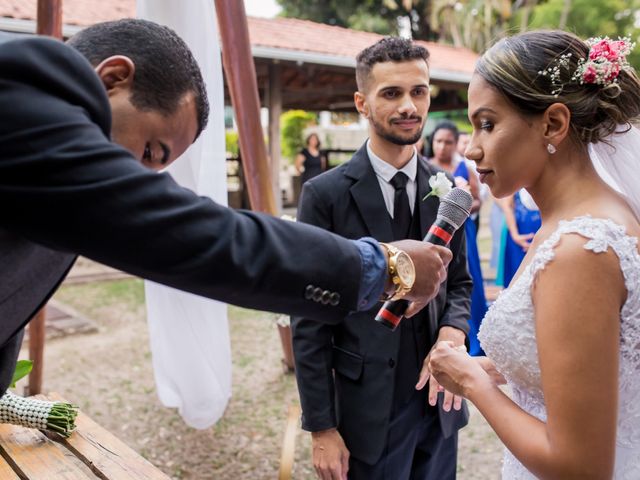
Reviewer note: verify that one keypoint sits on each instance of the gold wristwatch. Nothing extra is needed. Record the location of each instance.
(401, 270)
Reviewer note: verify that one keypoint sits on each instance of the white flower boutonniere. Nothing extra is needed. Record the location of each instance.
(440, 185)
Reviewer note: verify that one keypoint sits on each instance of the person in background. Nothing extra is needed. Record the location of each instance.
(521, 222)
(483, 193)
(443, 147)
(310, 162)
(496, 225)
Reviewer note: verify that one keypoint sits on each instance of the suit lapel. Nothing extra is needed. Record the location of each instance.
(368, 197)
(428, 207)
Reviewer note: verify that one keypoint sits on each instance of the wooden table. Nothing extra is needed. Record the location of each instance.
(91, 452)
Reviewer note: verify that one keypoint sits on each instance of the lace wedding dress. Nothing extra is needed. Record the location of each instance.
(508, 337)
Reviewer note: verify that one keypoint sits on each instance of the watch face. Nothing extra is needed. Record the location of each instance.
(406, 270)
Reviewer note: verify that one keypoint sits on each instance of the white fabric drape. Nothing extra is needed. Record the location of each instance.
(189, 335)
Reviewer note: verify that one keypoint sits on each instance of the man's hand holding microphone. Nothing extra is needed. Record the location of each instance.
(429, 270)
(416, 269)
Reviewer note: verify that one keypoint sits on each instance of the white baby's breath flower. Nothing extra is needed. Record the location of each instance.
(440, 185)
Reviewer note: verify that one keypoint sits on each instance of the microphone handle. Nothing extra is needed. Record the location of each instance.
(391, 313)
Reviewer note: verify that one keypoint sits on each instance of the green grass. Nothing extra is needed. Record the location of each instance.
(94, 295)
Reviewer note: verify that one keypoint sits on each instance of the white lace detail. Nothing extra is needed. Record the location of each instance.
(507, 335)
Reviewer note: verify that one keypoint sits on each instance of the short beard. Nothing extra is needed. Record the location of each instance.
(390, 137)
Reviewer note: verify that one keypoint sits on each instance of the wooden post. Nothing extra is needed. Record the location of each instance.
(275, 111)
(50, 18)
(36, 352)
(49, 23)
(243, 88)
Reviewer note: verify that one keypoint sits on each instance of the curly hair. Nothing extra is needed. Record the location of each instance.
(389, 49)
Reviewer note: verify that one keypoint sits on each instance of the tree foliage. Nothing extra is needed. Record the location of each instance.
(591, 18)
(293, 123)
(474, 24)
(379, 16)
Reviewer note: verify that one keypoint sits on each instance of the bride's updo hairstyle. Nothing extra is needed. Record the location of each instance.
(535, 69)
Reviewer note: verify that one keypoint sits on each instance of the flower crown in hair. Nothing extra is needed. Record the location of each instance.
(606, 59)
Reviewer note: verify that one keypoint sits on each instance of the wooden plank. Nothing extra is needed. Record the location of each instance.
(6, 471)
(34, 456)
(107, 456)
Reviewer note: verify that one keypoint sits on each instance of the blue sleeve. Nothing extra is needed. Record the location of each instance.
(374, 272)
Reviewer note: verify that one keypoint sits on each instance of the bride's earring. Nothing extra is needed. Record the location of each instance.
(551, 149)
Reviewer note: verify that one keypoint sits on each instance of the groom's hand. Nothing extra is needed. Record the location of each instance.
(457, 338)
(330, 455)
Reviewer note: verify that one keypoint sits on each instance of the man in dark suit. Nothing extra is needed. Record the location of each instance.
(357, 379)
(66, 188)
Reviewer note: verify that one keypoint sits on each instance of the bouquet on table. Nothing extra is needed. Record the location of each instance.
(56, 417)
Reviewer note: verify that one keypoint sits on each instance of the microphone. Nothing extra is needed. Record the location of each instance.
(454, 209)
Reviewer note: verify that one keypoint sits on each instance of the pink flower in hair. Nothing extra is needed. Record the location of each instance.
(604, 62)
(612, 71)
(619, 48)
(600, 49)
(590, 74)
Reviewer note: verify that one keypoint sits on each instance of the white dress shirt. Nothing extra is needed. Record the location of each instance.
(385, 172)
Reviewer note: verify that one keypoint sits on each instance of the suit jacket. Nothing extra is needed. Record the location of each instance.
(360, 352)
(65, 189)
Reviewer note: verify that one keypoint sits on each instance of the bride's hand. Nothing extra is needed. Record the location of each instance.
(455, 370)
(488, 366)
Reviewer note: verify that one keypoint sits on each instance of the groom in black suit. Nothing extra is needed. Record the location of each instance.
(357, 379)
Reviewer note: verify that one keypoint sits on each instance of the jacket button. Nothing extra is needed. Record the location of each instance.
(326, 296)
(317, 294)
(392, 363)
(308, 292)
(334, 299)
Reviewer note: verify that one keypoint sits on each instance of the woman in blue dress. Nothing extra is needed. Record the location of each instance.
(522, 221)
(443, 149)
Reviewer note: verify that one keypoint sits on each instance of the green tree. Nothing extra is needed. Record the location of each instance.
(465, 23)
(379, 16)
(475, 24)
(591, 18)
(293, 123)
(587, 18)
(231, 142)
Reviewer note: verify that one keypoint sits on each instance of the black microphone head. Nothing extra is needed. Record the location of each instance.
(455, 206)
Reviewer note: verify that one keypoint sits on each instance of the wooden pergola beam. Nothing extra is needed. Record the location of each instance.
(243, 90)
(275, 110)
(49, 18)
(49, 23)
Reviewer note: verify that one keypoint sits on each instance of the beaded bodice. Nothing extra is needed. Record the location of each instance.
(508, 337)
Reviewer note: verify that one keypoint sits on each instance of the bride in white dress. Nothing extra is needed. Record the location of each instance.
(566, 333)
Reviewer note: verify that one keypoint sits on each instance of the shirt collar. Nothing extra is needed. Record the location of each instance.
(386, 171)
